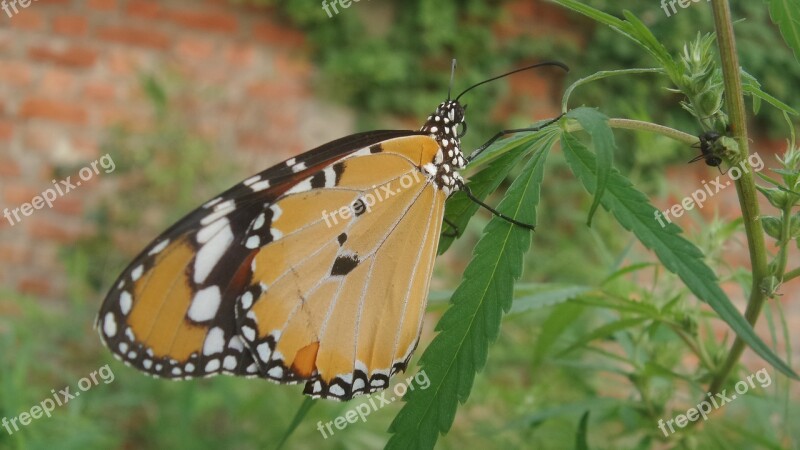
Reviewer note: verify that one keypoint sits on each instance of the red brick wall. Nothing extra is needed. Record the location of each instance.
(69, 69)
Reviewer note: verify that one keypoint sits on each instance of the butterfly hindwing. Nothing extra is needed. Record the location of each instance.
(171, 312)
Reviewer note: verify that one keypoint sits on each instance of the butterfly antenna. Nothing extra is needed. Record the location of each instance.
(452, 77)
(546, 63)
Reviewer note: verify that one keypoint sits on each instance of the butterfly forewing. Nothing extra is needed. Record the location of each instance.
(315, 270)
(171, 312)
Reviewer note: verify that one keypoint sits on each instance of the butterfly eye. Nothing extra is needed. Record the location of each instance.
(463, 131)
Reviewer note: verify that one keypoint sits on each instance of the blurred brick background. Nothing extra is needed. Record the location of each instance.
(70, 69)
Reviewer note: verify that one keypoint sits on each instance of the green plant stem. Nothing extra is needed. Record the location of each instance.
(791, 274)
(783, 252)
(745, 186)
(630, 124)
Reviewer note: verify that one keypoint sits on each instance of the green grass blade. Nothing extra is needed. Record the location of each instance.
(460, 349)
(308, 402)
(635, 213)
(581, 441)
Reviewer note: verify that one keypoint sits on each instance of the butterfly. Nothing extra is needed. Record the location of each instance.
(315, 270)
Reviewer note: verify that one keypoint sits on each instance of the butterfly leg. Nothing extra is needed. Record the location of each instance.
(500, 134)
(454, 232)
(497, 213)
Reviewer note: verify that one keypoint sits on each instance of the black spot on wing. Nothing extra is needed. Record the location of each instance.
(375, 148)
(338, 169)
(342, 239)
(344, 264)
(318, 180)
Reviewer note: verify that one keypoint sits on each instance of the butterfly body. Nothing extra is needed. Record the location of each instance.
(260, 282)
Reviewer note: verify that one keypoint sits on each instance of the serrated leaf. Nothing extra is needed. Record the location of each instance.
(596, 124)
(634, 212)
(786, 15)
(546, 294)
(461, 347)
(460, 209)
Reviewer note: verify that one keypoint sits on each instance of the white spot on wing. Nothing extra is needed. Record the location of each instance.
(276, 372)
(236, 343)
(157, 249)
(247, 300)
(276, 212)
(260, 186)
(210, 230)
(205, 304)
(215, 341)
(110, 325)
(213, 202)
(210, 253)
(229, 363)
(212, 366)
(337, 390)
(264, 352)
(253, 242)
(125, 302)
(137, 272)
(259, 222)
(252, 180)
(248, 333)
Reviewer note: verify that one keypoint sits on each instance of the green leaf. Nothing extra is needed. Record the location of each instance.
(581, 442)
(459, 208)
(596, 124)
(750, 85)
(635, 213)
(546, 294)
(786, 15)
(604, 332)
(308, 402)
(460, 349)
(553, 328)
